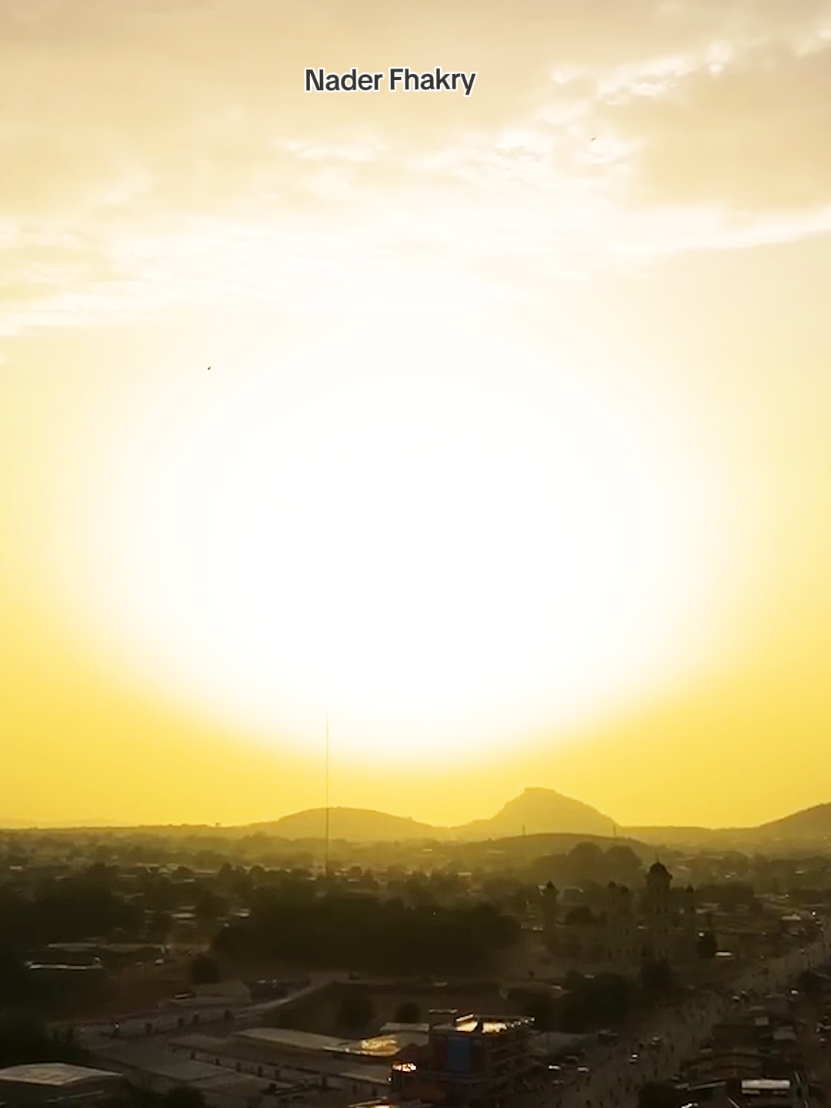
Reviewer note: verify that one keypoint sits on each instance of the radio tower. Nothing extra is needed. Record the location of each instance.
(326, 791)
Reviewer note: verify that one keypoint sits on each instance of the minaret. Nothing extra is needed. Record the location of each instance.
(657, 906)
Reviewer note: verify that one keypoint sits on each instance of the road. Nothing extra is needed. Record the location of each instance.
(165, 1024)
(614, 1082)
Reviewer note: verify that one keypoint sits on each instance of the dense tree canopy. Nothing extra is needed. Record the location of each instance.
(23, 1039)
(355, 1011)
(79, 907)
(204, 970)
(409, 1011)
(810, 983)
(656, 977)
(588, 865)
(541, 1008)
(364, 933)
(707, 945)
(14, 985)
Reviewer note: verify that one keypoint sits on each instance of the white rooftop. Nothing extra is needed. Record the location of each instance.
(288, 1037)
(765, 1085)
(58, 1074)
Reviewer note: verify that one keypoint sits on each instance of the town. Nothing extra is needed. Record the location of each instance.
(415, 531)
(207, 966)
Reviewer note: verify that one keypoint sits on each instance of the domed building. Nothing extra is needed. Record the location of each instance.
(659, 925)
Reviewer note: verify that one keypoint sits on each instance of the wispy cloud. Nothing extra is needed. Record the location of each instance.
(154, 163)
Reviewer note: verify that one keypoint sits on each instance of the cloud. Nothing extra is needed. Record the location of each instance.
(162, 153)
(752, 134)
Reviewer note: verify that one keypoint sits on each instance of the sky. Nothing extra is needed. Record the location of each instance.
(492, 429)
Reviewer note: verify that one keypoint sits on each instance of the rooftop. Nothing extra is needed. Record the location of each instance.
(56, 1074)
(765, 1085)
(486, 1025)
(378, 1046)
(288, 1037)
(385, 1046)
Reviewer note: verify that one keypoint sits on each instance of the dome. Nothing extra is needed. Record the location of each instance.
(659, 876)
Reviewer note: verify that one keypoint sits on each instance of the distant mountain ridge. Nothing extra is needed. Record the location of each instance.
(352, 824)
(811, 822)
(810, 826)
(535, 811)
(544, 811)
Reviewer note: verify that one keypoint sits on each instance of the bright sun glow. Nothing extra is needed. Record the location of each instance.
(449, 547)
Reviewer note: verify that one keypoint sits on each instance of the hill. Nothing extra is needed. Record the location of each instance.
(535, 811)
(352, 824)
(809, 825)
(538, 811)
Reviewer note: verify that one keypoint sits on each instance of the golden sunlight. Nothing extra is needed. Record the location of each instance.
(446, 543)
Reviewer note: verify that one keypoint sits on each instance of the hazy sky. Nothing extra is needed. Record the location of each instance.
(513, 454)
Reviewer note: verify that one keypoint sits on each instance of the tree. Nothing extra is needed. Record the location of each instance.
(613, 995)
(159, 926)
(208, 905)
(355, 1011)
(574, 980)
(587, 862)
(659, 1094)
(336, 931)
(623, 864)
(14, 982)
(707, 945)
(24, 1039)
(549, 901)
(656, 977)
(810, 983)
(408, 1012)
(540, 1007)
(204, 970)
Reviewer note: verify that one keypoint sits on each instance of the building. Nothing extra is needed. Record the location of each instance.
(156, 1068)
(56, 1083)
(472, 1061)
(273, 1054)
(626, 929)
(769, 1092)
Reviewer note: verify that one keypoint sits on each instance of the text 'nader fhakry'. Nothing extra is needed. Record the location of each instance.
(400, 77)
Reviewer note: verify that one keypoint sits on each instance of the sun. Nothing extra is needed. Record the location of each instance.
(447, 543)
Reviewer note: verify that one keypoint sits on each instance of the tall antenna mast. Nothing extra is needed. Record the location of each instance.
(326, 774)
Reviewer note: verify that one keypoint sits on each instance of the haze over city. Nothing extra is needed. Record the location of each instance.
(493, 427)
(415, 609)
